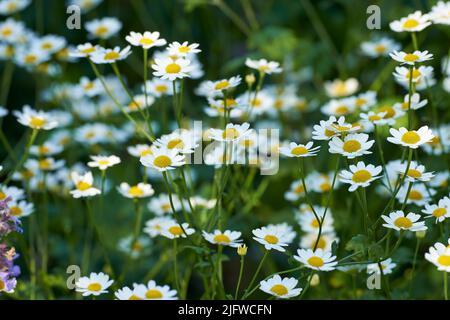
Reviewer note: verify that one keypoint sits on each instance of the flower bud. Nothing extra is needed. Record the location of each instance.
(250, 79)
(242, 250)
(421, 234)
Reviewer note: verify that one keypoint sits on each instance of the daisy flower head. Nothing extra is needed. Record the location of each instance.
(439, 255)
(84, 185)
(86, 5)
(158, 87)
(264, 66)
(320, 182)
(416, 172)
(103, 162)
(399, 221)
(140, 150)
(163, 159)
(379, 48)
(360, 175)
(103, 28)
(45, 164)
(341, 88)
(440, 211)
(13, 193)
(232, 132)
(440, 13)
(283, 288)
(273, 237)
(325, 242)
(8, 7)
(411, 58)
(319, 259)
(341, 127)
(418, 195)
(414, 22)
(184, 141)
(374, 117)
(386, 266)
(96, 284)
(146, 40)
(352, 146)
(108, 56)
(414, 103)
(20, 209)
(128, 294)
(173, 230)
(310, 224)
(339, 107)
(160, 205)
(417, 75)
(322, 130)
(184, 49)
(215, 88)
(141, 190)
(169, 69)
(154, 227)
(299, 150)
(226, 238)
(295, 192)
(365, 100)
(411, 139)
(37, 120)
(152, 291)
(84, 50)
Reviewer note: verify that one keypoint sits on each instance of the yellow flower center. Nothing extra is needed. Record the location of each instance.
(134, 297)
(340, 89)
(439, 212)
(161, 88)
(279, 290)
(145, 152)
(15, 211)
(351, 146)
(321, 244)
(146, 42)
(390, 112)
(361, 176)
(173, 68)
(316, 262)
(444, 260)
(410, 23)
(411, 137)
(95, 287)
(2, 285)
(45, 164)
(166, 207)
(47, 46)
(101, 30)
(410, 57)
(136, 192)
(342, 109)
(176, 230)
(374, 118)
(299, 189)
(83, 186)
(329, 133)
(43, 149)
(230, 134)
(2, 195)
(153, 294)
(162, 161)
(113, 55)
(36, 122)
(224, 84)
(413, 173)
(175, 144)
(414, 74)
(415, 195)
(299, 151)
(103, 162)
(380, 48)
(6, 32)
(221, 238)
(271, 239)
(184, 49)
(360, 102)
(88, 50)
(403, 222)
(315, 223)
(326, 186)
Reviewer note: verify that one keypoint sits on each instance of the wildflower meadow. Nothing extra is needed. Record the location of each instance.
(224, 150)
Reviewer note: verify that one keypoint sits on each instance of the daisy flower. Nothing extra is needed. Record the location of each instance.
(158, 87)
(96, 284)
(183, 141)
(9, 7)
(45, 164)
(103, 162)
(341, 107)
(325, 242)
(141, 190)
(20, 209)
(299, 150)
(140, 150)
(440, 13)
(354, 145)
(379, 47)
(103, 56)
(173, 230)
(309, 223)
(419, 194)
(273, 237)
(170, 69)
(103, 28)
(403, 75)
(374, 117)
(37, 120)
(365, 100)
(14, 193)
(146, 40)
(264, 66)
(160, 205)
(414, 22)
(163, 159)
(232, 132)
(84, 50)
(360, 175)
(412, 139)
(320, 182)
(440, 211)
(398, 220)
(439, 255)
(319, 260)
(322, 130)
(152, 291)
(154, 227)
(341, 88)
(183, 49)
(416, 172)
(296, 190)
(128, 294)
(215, 88)
(411, 58)
(226, 238)
(84, 185)
(386, 266)
(283, 288)
(341, 127)
(415, 103)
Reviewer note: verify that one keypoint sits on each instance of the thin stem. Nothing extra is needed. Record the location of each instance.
(233, 16)
(445, 285)
(246, 294)
(175, 264)
(241, 271)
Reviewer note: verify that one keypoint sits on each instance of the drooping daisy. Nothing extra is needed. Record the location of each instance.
(96, 284)
(319, 260)
(104, 56)
(128, 294)
(411, 58)
(439, 255)
(84, 50)
(84, 185)
(38, 120)
(183, 49)
(163, 159)
(414, 104)
(360, 175)
(386, 266)
(412, 139)
(170, 69)
(341, 88)
(152, 291)
(352, 146)
(103, 28)
(264, 66)
(232, 132)
(414, 22)
(141, 190)
(146, 40)
(398, 220)
(160, 205)
(299, 150)
(273, 237)
(440, 211)
(416, 172)
(173, 230)
(283, 288)
(103, 162)
(419, 194)
(226, 238)
(440, 13)
(379, 47)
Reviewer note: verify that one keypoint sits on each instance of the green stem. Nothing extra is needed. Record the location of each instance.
(175, 266)
(241, 271)
(445, 285)
(246, 294)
